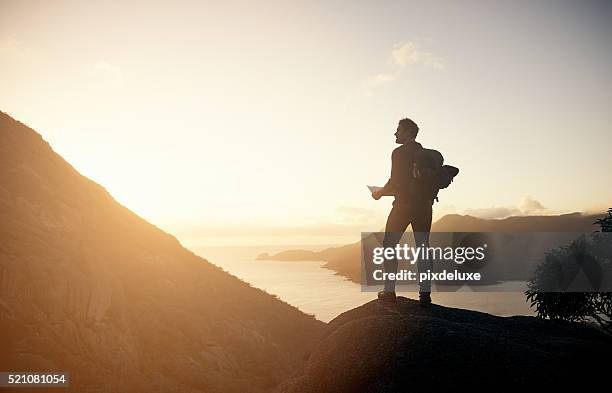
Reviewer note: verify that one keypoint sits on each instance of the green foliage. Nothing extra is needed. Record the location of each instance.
(606, 222)
(545, 289)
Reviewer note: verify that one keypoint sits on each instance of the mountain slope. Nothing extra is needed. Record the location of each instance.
(401, 347)
(88, 287)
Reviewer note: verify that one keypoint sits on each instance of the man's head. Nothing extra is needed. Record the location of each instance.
(407, 131)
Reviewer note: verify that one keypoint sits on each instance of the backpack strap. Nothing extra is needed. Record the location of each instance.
(413, 165)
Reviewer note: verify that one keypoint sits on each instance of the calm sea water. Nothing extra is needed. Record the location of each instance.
(318, 291)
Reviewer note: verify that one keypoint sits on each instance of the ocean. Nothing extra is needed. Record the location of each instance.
(324, 294)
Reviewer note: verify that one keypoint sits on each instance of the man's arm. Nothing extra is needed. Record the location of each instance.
(389, 188)
(386, 190)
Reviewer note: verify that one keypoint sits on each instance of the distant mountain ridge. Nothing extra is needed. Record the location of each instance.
(88, 287)
(345, 260)
(571, 222)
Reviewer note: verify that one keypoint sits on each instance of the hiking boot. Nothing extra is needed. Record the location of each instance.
(425, 299)
(386, 296)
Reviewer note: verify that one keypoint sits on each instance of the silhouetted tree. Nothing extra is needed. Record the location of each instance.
(606, 222)
(561, 263)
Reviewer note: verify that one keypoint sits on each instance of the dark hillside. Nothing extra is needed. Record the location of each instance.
(87, 286)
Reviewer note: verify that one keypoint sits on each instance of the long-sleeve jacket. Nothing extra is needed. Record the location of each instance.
(401, 181)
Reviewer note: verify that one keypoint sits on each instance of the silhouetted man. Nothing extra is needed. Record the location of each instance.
(409, 208)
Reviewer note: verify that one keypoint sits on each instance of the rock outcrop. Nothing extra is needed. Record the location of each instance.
(401, 347)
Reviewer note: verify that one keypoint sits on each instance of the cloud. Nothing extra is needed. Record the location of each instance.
(408, 53)
(403, 55)
(526, 207)
(530, 206)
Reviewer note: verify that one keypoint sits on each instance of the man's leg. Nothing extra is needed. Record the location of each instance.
(397, 222)
(421, 226)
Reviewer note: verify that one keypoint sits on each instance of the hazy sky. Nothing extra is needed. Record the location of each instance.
(262, 122)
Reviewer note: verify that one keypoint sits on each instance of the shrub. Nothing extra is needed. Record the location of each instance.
(564, 262)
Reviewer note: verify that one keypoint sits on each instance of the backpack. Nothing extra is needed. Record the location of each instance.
(430, 174)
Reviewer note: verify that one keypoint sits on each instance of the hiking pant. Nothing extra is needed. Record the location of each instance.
(419, 215)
